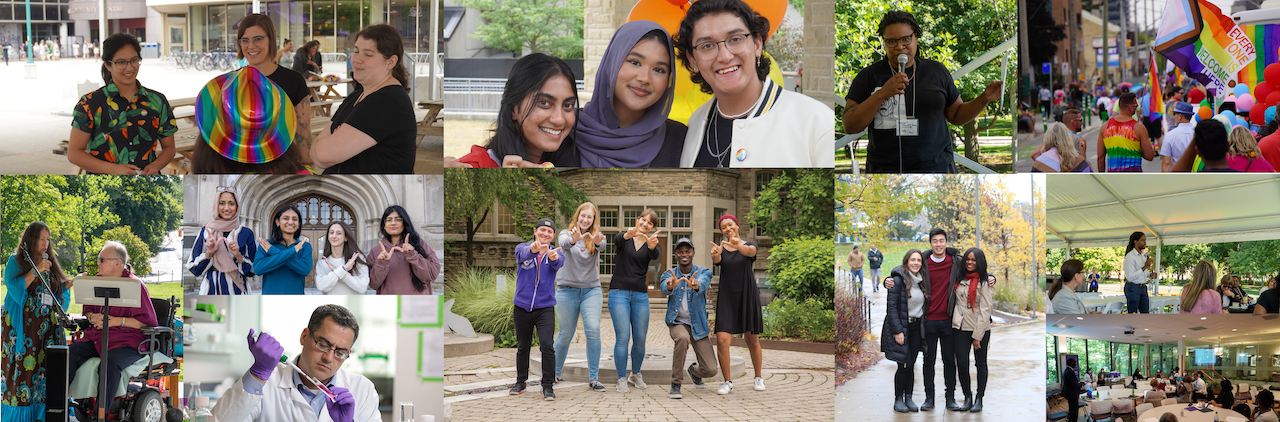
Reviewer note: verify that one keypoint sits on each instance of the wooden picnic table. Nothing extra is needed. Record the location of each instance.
(324, 94)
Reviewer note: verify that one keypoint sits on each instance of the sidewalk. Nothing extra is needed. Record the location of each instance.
(798, 386)
(1014, 385)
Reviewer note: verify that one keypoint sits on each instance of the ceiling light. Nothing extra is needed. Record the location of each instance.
(1204, 317)
(1080, 318)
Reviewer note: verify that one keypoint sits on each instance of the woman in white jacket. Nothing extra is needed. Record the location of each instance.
(342, 269)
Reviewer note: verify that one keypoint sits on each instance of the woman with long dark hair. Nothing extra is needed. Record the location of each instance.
(536, 118)
(307, 59)
(971, 325)
(405, 263)
(902, 333)
(284, 259)
(374, 130)
(626, 124)
(1136, 263)
(122, 128)
(222, 255)
(342, 269)
(1062, 294)
(28, 322)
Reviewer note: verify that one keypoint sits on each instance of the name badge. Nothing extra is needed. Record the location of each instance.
(909, 127)
(46, 299)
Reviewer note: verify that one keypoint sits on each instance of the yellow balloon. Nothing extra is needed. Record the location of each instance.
(688, 96)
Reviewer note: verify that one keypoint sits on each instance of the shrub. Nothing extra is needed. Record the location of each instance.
(800, 269)
(476, 298)
(809, 319)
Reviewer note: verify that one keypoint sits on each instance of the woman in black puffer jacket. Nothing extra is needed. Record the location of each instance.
(901, 334)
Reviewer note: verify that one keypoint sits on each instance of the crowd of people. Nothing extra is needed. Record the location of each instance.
(572, 259)
(1187, 387)
(49, 49)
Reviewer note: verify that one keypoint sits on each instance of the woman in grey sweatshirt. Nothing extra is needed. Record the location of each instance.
(578, 289)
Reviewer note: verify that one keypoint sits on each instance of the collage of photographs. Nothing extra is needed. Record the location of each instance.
(796, 232)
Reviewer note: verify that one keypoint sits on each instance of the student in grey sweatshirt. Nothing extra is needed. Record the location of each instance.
(578, 289)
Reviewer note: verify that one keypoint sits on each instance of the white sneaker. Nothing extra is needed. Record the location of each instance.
(726, 387)
(637, 381)
(759, 384)
(622, 385)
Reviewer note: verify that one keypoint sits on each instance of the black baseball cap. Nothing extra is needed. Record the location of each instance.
(544, 222)
(684, 241)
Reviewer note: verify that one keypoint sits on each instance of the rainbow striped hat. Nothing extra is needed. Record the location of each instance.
(245, 117)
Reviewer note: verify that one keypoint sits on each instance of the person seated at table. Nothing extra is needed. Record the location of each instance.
(1200, 389)
(1185, 389)
(375, 129)
(1090, 382)
(123, 127)
(1224, 289)
(307, 59)
(1156, 394)
(256, 43)
(1137, 375)
(1223, 397)
(1265, 409)
(1062, 293)
(1199, 295)
(235, 138)
(536, 119)
(1168, 417)
(1269, 300)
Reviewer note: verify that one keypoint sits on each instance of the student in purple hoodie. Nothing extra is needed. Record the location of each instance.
(535, 301)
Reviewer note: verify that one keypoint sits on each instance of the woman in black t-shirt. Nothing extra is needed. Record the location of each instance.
(374, 130)
(629, 297)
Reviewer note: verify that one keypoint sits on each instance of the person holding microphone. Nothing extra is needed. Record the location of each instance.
(28, 322)
(1136, 263)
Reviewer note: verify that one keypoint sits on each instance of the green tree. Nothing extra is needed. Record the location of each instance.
(872, 207)
(150, 205)
(535, 26)
(797, 202)
(1256, 260)
(73, 207)
(800, 269)
(1106, 259)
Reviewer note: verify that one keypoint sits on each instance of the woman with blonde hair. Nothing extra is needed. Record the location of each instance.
(1243, 153)
(1061, 154)
(578, 289)
(1199, 296)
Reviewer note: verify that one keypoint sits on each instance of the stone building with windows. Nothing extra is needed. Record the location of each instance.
(688, 203)
(357, 200)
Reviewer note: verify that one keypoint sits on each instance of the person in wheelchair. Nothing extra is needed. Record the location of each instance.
(126, 323)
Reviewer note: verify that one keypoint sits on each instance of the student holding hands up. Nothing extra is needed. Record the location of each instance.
(537, 263)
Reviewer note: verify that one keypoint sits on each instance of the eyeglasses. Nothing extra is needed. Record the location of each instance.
(894, 42)
(255, 40)
(101, 259)
(708, 50)
(120, 64)
(395, 219)
(325, 347)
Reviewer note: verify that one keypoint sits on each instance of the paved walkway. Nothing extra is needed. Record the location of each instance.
(799, 387)
(1015, 382)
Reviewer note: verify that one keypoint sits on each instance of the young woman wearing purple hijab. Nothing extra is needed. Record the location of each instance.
(627, 126)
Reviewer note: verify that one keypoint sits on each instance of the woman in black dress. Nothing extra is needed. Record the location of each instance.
(738, 303)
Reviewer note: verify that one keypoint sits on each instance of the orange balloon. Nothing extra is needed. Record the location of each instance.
(669, 13)
(1205, 112)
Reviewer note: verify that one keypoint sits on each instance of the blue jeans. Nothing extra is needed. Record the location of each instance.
(571, 302)
(629, 312)
(1136, 299)
(857, 275)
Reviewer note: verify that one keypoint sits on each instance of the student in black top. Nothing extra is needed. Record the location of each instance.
(374, 130)
(738, 309)
(307, 59)
(256, 42)
(1210, 143)
(629, 296)
(931, 100)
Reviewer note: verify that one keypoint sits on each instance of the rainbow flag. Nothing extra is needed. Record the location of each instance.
(1209, 46)
(1266, 41)
(1156, 103)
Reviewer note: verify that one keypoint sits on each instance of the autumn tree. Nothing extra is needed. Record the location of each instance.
(868, 205)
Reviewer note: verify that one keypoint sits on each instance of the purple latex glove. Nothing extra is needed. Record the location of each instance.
(266, 355)
(342, 408)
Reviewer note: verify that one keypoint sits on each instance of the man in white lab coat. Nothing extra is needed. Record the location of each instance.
(273, 392)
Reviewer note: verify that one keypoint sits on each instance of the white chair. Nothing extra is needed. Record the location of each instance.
(1121, 408)
(1114, 308)
(1145, 407)
(1169, 401)
(1100, 410)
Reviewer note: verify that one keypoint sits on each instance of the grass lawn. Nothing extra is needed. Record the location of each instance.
(995, 157)
(157, 291)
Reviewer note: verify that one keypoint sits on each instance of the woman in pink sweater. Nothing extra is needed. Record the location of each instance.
(1199, 296)
(404, 264)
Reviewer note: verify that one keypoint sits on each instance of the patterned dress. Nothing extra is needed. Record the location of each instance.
(28, 329)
